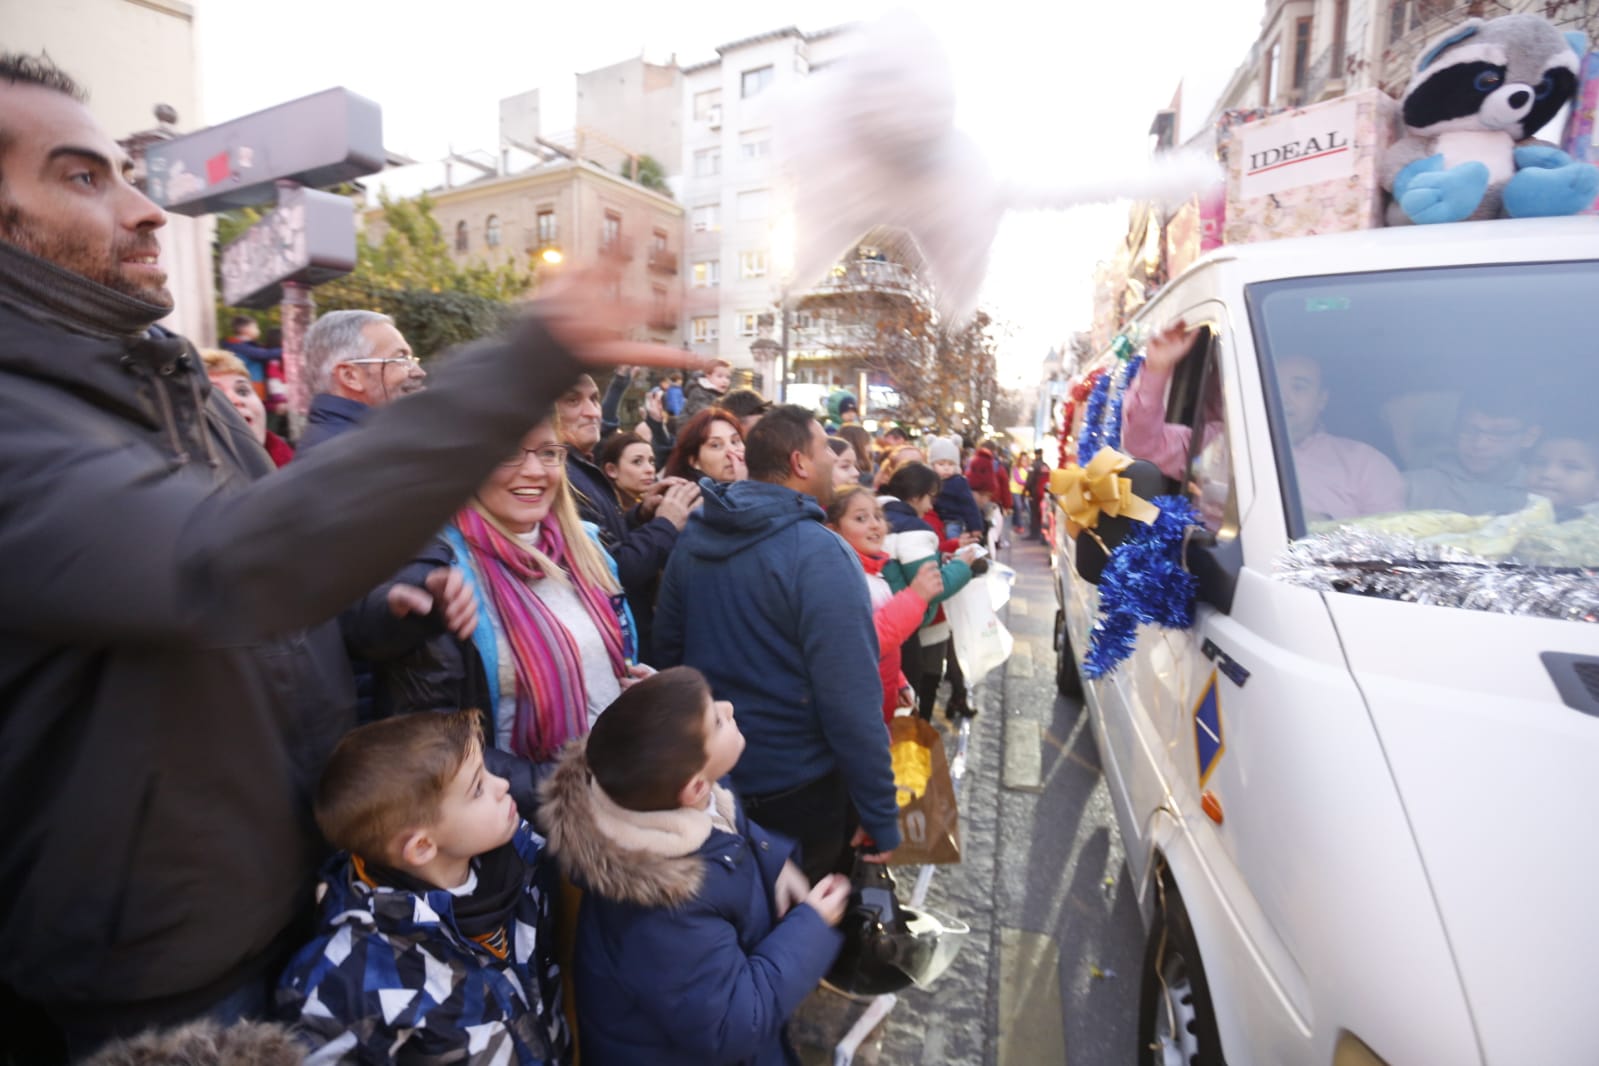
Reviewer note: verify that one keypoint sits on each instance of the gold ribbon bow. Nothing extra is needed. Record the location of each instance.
(1086, 492)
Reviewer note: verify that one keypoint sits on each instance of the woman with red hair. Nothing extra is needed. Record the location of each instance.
(709, 445)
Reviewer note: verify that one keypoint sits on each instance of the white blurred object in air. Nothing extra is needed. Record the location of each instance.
(871, 142)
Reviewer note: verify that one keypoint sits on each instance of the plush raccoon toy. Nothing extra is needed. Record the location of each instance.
(1478, 94)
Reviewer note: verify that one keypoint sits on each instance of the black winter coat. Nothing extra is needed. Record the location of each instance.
(169, 683)
(640, 550)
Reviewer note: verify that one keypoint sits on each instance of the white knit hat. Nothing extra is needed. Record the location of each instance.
(941, 449)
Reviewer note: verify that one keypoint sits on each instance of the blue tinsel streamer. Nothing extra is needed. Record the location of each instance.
(1143, 583)
(1094, 422)
(1112, 433)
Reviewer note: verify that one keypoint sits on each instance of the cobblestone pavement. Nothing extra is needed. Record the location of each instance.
(1049, 973)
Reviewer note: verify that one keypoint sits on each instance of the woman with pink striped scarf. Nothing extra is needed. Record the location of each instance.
(554, 635)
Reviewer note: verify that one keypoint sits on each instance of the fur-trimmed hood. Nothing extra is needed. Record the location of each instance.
(649, 858)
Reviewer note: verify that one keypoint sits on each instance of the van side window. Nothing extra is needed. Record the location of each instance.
(1209, 481)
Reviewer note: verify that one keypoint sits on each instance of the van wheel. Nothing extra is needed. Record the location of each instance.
(1176, 1022)
(1067, 680)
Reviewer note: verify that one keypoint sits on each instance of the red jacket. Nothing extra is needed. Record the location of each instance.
(896, 616)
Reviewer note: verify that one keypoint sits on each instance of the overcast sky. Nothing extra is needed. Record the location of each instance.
(1045, 91)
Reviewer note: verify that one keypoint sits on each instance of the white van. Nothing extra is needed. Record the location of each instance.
(1360, 807)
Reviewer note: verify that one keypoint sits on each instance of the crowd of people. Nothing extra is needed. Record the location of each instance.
(337, 735)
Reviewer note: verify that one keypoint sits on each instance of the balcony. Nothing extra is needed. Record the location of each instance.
(871, 277)
(617, 248)
(663, 261)
(663, 320)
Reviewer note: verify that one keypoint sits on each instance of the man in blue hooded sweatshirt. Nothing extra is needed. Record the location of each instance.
(772, 607)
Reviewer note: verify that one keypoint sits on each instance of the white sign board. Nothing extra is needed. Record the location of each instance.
(1296, 149)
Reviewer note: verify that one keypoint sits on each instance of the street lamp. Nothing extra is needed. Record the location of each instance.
(766, 352)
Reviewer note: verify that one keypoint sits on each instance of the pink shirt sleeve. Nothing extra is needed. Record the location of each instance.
(1145, 432)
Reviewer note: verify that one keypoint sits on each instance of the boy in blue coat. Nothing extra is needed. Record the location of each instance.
(434, 940)
(697, 936)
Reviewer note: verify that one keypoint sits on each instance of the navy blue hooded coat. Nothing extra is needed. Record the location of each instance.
(772, 607)
(681, 959)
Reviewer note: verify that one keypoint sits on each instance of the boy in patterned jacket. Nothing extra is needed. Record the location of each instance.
(434, 938)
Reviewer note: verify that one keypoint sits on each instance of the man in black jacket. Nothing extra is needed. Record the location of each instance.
(639, 540)
(171, 685)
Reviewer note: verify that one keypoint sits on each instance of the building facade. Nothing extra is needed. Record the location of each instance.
(123, 95)
(732, 199)
(569, 213)
(1313, 50)
(637, 105)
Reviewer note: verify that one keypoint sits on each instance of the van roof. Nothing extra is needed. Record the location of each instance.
(1401, 247)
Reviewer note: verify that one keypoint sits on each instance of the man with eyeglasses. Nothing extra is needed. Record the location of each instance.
(1495, 427)
(356, 361)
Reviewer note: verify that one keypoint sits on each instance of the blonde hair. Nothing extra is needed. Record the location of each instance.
(220, 362)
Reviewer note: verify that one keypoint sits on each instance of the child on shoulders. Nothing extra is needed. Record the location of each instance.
(697, 936)
(434, 939)
(955, 502)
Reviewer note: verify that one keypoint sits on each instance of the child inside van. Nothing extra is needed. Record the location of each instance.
(434, 934)
(1565, 469)
(697, 936)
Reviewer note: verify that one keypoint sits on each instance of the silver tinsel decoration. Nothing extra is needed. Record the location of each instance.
(1398, 567)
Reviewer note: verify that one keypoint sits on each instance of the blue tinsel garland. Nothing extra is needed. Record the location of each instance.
(1112, 434)
(1093, 437)
(1143, 582)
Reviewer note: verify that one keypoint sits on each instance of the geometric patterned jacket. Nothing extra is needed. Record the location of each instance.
(390, 978)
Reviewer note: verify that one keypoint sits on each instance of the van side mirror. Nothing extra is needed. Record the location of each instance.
(1148, 482)
(1216, 564)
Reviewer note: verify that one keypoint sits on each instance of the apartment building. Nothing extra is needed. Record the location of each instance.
(564, 213)
(1312, 50)
(636, 106)
(122, 98)
(731, 197)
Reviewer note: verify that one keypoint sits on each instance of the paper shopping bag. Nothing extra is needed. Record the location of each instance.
(929, 824)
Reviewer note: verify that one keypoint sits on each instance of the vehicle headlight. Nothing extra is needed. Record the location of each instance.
(1352, 1051)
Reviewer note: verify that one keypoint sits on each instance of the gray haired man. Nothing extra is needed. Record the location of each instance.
(355, 360)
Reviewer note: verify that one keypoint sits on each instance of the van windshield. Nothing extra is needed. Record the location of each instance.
(1443, 414)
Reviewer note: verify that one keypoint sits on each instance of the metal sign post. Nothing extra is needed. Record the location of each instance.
(323, 139)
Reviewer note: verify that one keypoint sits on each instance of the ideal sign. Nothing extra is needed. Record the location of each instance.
(1296, 149)
(322, 139)
(309, 238)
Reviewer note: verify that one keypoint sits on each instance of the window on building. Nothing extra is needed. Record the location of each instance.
(660, 307)
(706, 103)
(707, 274)
(804, 320)
(752, 264)
(754, 205)
(704, 329)
(1274, 66)
(1340, 38)
(749, 323)
(1301, 52)
(707, 218)
(546, 227)
(658, 241)
(754, 81)
(491, 231)
(611, 230)
(755, 144)
(707, 162)
(463, 237)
